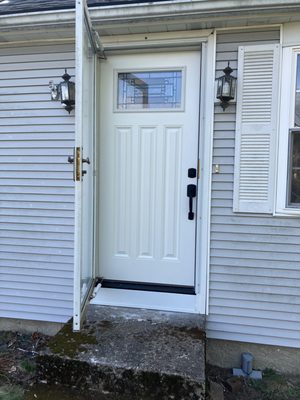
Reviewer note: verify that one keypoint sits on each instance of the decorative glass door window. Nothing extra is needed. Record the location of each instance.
(144, 90)
(293, 195)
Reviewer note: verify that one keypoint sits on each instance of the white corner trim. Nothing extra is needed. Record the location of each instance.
(205, 153)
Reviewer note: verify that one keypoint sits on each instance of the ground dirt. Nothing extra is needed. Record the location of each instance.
(273, 386)
(18, 377)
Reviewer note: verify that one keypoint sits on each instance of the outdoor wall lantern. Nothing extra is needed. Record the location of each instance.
(226, 86)
(64, 91)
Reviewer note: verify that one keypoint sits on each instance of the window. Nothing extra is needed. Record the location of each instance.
(297, 93)
(146, 90)
(294, 170)
(293, 193)
(288, 185)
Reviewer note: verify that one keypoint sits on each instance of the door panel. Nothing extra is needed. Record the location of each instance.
(145, 153)
(84, 162)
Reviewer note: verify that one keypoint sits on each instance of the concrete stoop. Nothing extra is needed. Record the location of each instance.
(136, 353)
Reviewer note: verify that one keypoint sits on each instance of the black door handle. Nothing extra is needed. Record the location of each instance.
(191, 193)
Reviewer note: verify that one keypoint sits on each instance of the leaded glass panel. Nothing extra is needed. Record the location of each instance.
(149, 90)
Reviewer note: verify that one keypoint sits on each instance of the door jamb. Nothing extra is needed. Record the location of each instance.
(206, 126)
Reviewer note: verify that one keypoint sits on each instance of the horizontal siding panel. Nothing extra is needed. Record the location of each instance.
(275, 272)
(37, 228)
(36, 308)
(278, 300)
(35, 112)
(42, 272)
(38, 220)
(51, 198)
(273, 327)
(36, 265)
(257, 229)
(44, 243)
(36, 128)
(59, 237)
(51, 281)
(36, 185)
(235, 278)
(250, 263)
(48, 65)
(260, 35)
(266, 316)
(26, 143)
(255, 305)
(41, 167)
(36, 103)
(254, 288)
(37, 205)
(220, 331)
(32, 296)
(33, 212)
(252, 255)
(30, 287)
(25, 314)
(37, 257)
(38, 120)
(25, 58)
(258, 220)
(257, 248)
(40, 99)
(258, 238)
(30, 159)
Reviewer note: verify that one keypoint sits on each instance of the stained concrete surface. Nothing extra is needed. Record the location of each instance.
(141, 353)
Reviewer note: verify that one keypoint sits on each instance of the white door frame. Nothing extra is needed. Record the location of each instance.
(207, 40)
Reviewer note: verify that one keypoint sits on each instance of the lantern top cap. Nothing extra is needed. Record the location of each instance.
(66, 77)
(228, 70)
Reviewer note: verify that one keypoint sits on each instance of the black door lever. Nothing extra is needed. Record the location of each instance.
(191, 193)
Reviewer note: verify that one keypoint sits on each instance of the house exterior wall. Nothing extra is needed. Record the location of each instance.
(254, 269)
(36, 187)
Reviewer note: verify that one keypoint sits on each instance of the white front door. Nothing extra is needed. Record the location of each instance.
(148, 157)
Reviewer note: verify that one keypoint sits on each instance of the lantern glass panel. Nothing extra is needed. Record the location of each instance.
(64, 87)
(220, 86)
(72, 92)
(226, 88)
(233, 87)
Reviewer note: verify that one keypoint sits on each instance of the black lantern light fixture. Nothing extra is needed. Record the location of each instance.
(226, 86)
(64, 91)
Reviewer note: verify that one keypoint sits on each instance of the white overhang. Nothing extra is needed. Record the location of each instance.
(152, 17)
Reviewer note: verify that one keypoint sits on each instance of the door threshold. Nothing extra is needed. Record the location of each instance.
(145, 299)
(148, 287)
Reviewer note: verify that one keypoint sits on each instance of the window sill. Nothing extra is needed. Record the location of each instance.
(287, 212)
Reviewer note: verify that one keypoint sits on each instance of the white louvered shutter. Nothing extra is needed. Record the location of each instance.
(256, 128)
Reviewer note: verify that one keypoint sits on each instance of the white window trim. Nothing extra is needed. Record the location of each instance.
(286, 112)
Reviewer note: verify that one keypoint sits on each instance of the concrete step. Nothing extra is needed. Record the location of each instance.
(137, 353)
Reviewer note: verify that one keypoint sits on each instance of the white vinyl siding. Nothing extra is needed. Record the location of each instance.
(36, 187)
(256, 128)
(254, 273)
